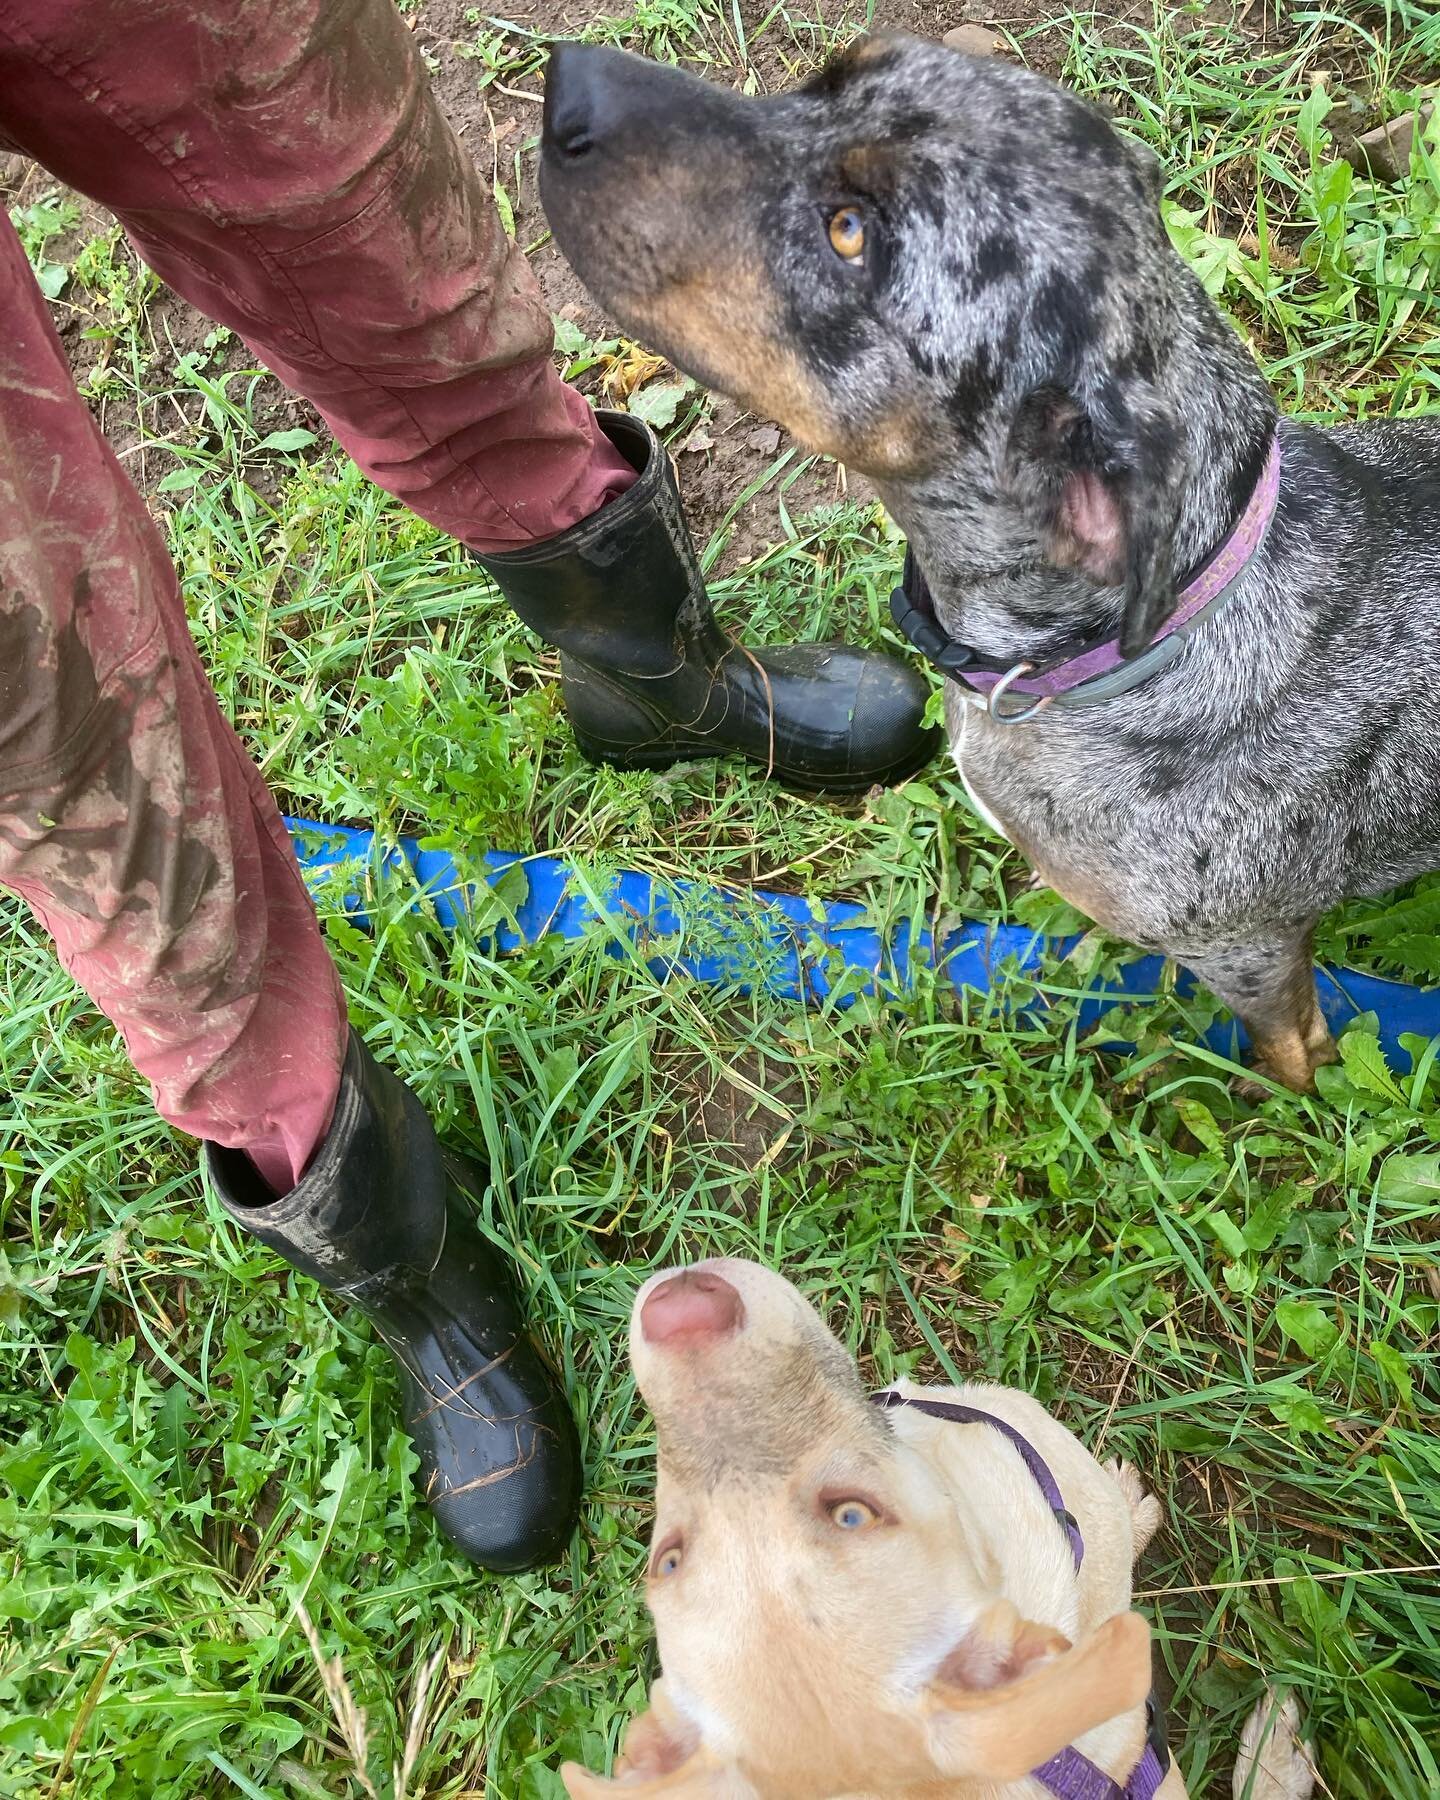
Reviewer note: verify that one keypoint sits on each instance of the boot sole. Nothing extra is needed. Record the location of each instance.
(800, 781)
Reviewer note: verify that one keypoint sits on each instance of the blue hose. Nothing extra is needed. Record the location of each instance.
(788, 947)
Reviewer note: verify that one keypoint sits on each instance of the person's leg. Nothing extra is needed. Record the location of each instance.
(131, 819)
(141, 834)
(287, 170)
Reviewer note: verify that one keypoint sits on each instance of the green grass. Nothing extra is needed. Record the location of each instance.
(203, 1500)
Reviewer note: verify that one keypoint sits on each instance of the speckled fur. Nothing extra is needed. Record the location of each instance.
(1021, 316)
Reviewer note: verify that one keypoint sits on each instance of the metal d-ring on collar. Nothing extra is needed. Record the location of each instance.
(989, 704)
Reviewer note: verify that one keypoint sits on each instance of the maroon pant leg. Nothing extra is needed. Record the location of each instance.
(131, 818)
(285, 168)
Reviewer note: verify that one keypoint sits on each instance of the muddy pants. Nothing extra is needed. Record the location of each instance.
(282, 165)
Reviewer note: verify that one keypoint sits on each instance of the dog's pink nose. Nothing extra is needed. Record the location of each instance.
(691, 1305)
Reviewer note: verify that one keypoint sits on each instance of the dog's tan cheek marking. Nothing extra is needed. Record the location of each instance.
(898, 444)
(873, 49)
(727, 319)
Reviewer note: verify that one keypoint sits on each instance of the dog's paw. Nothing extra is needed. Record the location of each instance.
(1256, 1087)
(1286, 1065)
(1145, 1512)
(1273, 1762)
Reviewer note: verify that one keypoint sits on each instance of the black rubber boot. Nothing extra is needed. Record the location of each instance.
(650, 679)
(384, 1217)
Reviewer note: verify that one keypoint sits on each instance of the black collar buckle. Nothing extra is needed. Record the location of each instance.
(948, 654)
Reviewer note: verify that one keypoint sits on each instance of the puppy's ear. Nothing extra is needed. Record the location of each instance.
(999, 1648)
(663, 1756)
(1100, 469)
(1014, 1693)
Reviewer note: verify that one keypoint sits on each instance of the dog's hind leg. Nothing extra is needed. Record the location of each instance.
(1270, 986)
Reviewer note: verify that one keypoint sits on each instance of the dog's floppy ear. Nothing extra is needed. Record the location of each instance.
(1099, 466)
(1014, 1693)
(663, 1756)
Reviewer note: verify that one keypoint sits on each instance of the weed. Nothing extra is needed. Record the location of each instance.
(39, 223)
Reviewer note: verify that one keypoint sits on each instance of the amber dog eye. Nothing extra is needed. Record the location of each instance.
(847, 234)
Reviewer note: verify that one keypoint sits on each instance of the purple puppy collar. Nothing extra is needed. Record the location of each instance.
(1068, 1775)
(1099, 671)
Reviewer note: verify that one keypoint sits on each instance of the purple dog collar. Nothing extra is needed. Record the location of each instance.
(1068, 1775)
(1098, 672)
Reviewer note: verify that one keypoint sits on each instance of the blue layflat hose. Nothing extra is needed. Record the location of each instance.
(788, 947)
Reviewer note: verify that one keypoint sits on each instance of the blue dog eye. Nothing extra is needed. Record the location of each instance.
(851, 1515)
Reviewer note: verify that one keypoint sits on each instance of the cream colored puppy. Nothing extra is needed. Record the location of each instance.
(852, 1601)
(869, 1604)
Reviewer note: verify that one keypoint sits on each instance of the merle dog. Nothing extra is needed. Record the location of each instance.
(1196, 646)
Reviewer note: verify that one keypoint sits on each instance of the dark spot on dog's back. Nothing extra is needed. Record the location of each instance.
(906, 127)
(1004, 187)
(1087, 135)
(1202, 860)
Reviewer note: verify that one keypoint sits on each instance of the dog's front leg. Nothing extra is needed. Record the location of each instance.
(1270, 987)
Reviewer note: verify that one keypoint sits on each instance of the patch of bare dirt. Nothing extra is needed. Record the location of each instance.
(747, 1112)
(167, 330)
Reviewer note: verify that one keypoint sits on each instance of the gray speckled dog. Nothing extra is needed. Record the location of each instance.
(952, 274)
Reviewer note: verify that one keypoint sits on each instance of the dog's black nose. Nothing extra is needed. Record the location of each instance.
(579, 100)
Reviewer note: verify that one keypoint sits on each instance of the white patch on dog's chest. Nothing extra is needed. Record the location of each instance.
(957, 750)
